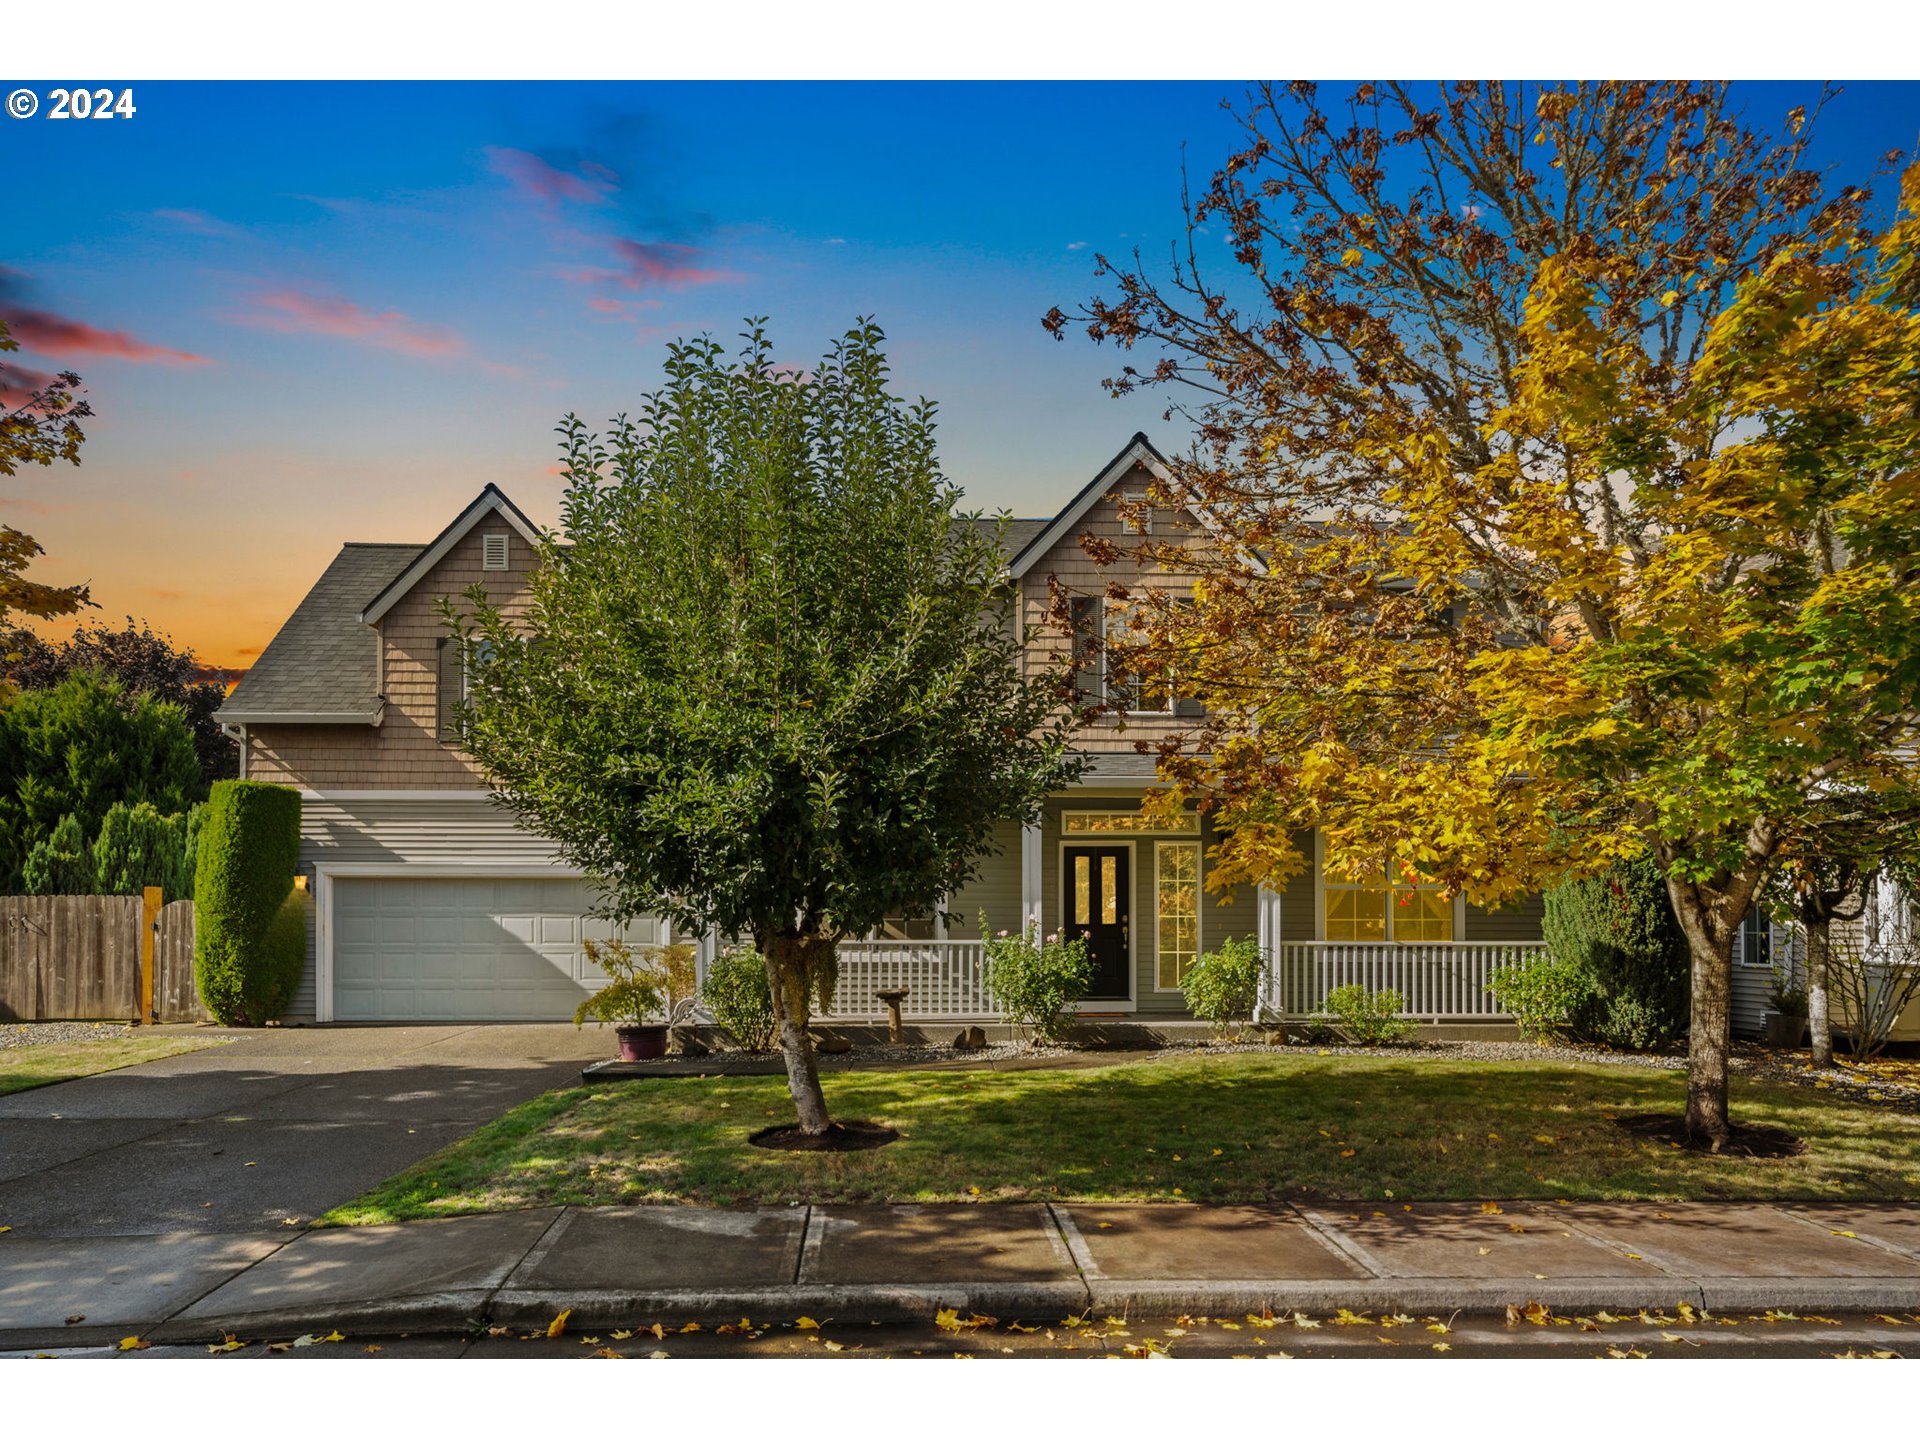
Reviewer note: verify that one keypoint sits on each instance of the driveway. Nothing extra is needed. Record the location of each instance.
(275, 1126)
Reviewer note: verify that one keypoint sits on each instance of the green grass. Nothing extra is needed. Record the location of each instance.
(32, 1065)
(1208, 1128)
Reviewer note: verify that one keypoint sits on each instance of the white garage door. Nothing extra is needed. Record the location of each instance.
(466, 949)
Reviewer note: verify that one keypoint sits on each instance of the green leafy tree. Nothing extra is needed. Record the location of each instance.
(1617, 933)
(145, 662)
(81, 748)
(138, 847)
(766, 682)
(61, 864)
(40, 419)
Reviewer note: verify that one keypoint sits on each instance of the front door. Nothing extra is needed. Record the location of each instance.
(1099, 900)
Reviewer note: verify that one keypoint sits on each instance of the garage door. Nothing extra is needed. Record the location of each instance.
(466, 949)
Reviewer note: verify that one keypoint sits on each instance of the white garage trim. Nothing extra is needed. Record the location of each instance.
(324, 875)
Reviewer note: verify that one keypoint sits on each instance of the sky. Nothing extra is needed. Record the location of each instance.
(312, 313)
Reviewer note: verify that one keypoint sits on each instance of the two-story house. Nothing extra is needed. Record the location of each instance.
(431, 903)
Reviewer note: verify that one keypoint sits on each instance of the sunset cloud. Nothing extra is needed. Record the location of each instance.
(43, 330)
(295, 312)
(548, 183)
(18, 384)
(200, 223)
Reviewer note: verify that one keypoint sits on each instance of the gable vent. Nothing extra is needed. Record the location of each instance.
(493, 552)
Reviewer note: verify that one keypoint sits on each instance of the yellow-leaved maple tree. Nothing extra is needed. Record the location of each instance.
(1565, 442)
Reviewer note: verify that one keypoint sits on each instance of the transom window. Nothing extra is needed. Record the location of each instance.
(1378, 907)
(1116, 822)
(1176, 900)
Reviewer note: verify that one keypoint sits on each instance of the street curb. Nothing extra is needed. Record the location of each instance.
(441, 1313)
(785, 1303)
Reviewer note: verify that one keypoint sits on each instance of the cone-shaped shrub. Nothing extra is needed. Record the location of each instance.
(61, 864)
(249, 845)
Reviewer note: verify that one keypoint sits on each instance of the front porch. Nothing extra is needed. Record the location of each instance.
(1442, 981)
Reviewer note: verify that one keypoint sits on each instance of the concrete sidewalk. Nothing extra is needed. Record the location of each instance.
(626, 1266)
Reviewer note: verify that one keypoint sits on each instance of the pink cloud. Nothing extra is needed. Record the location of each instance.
(19, 384)
(199, 222)
(548, 183)
(59, 335)
(674, 266)
(294, 312)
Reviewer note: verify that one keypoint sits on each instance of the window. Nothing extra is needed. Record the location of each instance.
(1143, 525)
(1176, 910)
(493, 551)
(1371, 908)
(1754, 944)
(1094, 624)
(1112, 822)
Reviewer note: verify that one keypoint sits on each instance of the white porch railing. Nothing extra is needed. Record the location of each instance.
(944, 980)
(1437, 980)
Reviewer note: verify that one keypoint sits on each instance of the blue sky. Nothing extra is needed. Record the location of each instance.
(308, 313)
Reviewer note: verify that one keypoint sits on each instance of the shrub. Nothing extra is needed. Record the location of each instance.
(1543, 995)
(61, 864)
(1369, 1017)
(1617, 929)
(138, 847)
(249, 845)
(1036, 982)
(1224, 985)
(737, 995)
(653, 986)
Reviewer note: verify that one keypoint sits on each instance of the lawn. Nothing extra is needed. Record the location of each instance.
(32, 1065)
(1203, 1128)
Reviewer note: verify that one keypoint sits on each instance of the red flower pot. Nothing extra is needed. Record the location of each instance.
(642, 1042)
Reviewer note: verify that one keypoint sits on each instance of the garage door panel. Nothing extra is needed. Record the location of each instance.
(465, 948)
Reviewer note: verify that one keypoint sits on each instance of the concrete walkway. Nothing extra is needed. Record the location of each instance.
(629, 1266)
(270, 1128)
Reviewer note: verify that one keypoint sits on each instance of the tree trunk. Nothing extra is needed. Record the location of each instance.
(1819, 1014)
(787, 959)
(1710, 1030)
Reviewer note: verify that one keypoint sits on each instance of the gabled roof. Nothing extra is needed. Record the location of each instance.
(323, 665)
(490, 501)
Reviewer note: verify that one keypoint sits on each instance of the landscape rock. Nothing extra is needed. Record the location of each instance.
(833, 1045)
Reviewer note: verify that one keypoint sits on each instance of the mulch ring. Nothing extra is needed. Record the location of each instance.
(1748, 1142)
(841, 1135)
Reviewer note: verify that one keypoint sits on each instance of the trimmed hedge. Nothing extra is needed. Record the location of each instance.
(245, 959)
(1626, 957)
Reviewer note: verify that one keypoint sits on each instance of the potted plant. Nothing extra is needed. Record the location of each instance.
(1785, 1025)
(647, 993)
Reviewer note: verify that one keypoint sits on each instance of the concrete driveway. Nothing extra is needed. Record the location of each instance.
(275, 1125)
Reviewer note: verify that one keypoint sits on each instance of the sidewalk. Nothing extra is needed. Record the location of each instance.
(854, 1263)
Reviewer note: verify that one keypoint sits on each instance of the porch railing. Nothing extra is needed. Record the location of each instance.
(1437, 980)
(944, 980)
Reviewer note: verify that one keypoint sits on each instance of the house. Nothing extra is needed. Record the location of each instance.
(431, 903)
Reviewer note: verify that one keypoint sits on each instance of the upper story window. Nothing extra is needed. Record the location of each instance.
(1140, 520)
(1096, 623)
(494, 550)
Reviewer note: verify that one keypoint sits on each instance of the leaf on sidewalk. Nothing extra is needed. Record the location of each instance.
(134, 1342)
(557, 1326)
(229, 1343)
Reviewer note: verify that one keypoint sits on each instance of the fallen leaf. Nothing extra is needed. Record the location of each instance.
(806, 1322)
(134, 1342)
(1442, 1346)
(75, 1319)
(229, 1343)
(557, 1326)
(834, 1345)
(371, 1349)
(607, 1352)
(623, 1334)
(1491, 1207)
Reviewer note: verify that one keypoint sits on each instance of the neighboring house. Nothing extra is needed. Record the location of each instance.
(433, 904)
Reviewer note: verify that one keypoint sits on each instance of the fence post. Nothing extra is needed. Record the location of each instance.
(151, 900)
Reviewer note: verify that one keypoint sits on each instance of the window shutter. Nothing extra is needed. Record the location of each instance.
(1087, 678)
(450, 657)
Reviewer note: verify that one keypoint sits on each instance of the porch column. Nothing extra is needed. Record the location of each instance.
(1272, 1002)
(1030, 872)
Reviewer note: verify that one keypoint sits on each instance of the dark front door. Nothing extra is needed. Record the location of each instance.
(1099, 899)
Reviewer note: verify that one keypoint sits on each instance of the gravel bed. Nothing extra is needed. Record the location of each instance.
(60, 1032)
(1436, 1050)
(922, 1054)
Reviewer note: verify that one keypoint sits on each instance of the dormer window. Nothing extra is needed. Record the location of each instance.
(493, 551)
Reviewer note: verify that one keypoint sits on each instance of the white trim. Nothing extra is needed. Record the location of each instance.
(1136, 453)
(1032, 877)
(1095, 842)
(302, 717)
(324, 874)
(1199, 910)
(489, 502)
(347, 796)
(1320, 907)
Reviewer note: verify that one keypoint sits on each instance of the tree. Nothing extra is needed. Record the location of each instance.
(766, 682)
(1563, 438)
(39, 424)
(61, 864)
(145, 662)
(1846, 844)
(77, 750)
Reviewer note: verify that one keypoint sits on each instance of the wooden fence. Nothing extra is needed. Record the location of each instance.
(77, 957)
